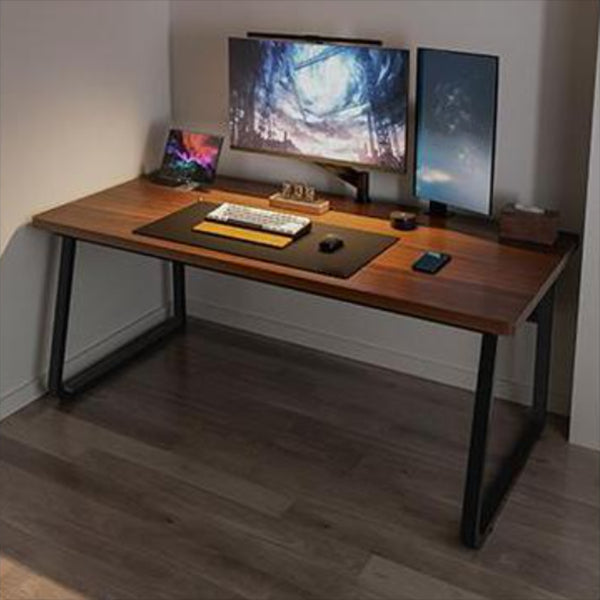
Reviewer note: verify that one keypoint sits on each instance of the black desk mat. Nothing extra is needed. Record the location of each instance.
(359, 247)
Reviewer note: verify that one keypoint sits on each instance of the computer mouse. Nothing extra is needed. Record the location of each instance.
(330, 243)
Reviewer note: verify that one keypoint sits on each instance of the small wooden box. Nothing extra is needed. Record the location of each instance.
(318, 207)
(525, 226)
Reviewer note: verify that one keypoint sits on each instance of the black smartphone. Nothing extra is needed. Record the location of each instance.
(431, 262)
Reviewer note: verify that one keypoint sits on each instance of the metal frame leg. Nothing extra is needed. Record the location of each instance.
(482, 506)
(90, 375)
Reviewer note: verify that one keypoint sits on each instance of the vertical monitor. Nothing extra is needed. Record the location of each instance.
(328, 102)
(456, 128)
(191, 156)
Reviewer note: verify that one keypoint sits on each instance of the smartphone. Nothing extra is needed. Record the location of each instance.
(431, 262)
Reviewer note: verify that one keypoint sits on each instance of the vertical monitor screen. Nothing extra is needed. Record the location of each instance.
(335, 103)
(192, 156)
(456, 126)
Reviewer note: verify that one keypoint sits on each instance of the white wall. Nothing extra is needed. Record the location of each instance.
(585, 414)
(84, 101)
(547, 54)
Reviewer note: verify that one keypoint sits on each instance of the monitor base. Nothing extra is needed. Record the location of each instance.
(438, 209)
(357, 179)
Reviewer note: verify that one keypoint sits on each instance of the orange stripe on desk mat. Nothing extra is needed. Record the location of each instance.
(247, 235)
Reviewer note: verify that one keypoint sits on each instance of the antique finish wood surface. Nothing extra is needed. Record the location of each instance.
(488, 286)
(226, 465)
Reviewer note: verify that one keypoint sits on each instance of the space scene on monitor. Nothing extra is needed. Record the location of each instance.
(332, 102)
(192, 156)
(455, 130)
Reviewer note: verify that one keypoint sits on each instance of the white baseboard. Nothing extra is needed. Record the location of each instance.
(27, 392)
(357, 349)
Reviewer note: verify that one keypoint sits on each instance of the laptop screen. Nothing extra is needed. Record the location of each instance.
(191, 156)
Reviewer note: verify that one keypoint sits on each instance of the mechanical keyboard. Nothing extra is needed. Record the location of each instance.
(269, 221)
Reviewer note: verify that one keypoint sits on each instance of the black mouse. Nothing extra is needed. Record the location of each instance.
(330, 243)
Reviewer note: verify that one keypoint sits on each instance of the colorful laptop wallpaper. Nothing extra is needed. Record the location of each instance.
(192, 156)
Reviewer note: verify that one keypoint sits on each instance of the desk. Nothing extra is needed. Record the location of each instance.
(488, 287)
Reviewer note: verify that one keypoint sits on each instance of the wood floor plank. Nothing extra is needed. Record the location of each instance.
(229, 466)
(167, 555)
(438, 556)
(109, 569)
(172, 502)
(281, 552)
(397, 582)
(535, 521)
(83, 436)
(91, 578)
(318, 564)
(24, 583)
(541, 508)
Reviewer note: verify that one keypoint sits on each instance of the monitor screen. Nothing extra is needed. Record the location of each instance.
(336, 103)
(191, 156)
(456, 126)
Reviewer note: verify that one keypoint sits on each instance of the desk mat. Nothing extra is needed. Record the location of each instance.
(359, 247)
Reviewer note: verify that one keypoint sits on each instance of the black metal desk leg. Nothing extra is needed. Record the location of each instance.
(90, 375)
(61, 315)
(481, 506)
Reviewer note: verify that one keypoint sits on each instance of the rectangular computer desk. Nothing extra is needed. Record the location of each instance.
(488, 287)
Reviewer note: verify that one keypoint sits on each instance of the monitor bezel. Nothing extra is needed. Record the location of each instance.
(322, 160)
(496, 60)
(213, 135)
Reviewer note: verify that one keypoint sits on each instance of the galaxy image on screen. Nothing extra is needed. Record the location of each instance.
(456, 107)
(332, 102)
(192, 156)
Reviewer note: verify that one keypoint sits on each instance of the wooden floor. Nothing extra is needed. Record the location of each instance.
(225, 465)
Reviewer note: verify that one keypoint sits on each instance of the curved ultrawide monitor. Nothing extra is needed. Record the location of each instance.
(334, 103)
(456, 128)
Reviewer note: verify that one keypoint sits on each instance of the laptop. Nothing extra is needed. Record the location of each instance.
(190, 159)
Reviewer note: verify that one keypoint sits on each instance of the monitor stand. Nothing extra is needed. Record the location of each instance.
(357, 179)
(438, 209)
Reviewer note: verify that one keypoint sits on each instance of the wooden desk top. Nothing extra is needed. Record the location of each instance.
(487, 287)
